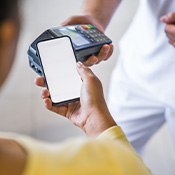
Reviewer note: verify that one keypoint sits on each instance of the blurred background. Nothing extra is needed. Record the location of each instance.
(22, 109)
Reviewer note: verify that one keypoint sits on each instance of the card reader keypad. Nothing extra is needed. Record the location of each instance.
(92, 34)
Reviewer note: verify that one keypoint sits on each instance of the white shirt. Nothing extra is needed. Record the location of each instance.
(145, 54)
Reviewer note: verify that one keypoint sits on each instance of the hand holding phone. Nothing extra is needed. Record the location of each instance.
(90, 113)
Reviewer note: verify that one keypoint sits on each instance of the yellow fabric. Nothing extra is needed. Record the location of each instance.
(109, 154)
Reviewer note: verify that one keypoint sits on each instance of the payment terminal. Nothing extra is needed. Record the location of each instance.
(86, 39)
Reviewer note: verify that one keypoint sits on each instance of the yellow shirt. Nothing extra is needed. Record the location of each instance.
(109, 154)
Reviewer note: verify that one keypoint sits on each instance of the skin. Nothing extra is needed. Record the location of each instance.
(9, 32)
(169, 21)
(99, 16)
(11, 154)
(12, 158)
(91, 109)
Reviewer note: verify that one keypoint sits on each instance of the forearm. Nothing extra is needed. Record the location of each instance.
(12, 157)
(100, 10)
(109, 154)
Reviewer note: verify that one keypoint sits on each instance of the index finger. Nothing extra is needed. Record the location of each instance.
(39, 81)
(104, 54)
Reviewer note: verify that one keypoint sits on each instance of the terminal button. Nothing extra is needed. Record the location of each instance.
(86, 27)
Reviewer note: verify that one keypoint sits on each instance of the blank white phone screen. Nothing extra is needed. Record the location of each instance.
(59, 66)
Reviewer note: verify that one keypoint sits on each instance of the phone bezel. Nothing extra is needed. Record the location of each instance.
(76, 60)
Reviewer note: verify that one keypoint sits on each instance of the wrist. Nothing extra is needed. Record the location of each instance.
(97, 123)
(101, 10)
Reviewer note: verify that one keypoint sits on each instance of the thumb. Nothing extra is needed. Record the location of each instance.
(169, 18)
(84, 71)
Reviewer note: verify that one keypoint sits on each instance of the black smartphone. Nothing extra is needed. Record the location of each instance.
(58, 61)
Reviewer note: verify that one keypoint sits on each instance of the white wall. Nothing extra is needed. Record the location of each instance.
(21, 108)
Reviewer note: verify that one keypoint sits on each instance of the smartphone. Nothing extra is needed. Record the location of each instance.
(58, 61)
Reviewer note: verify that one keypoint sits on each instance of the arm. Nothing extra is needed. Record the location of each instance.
(12, 157)
(95, 12)
(91, 114)
(99, 14)
(110, 153)
(100, 10)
